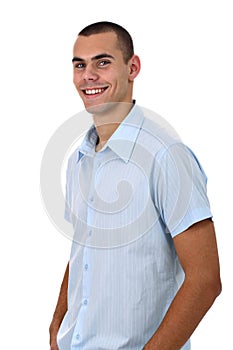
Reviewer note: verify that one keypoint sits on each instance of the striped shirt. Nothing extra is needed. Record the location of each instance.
(126, 204)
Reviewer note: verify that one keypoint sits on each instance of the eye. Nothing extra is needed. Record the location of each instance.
(79, 65)
(103, 63)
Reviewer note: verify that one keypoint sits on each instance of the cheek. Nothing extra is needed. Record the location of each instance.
(123, 83)
(118, 76)
(76, 79)
(123, 78)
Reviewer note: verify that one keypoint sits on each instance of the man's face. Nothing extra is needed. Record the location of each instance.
(100, 74)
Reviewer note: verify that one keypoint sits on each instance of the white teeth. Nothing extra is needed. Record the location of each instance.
(93, 91)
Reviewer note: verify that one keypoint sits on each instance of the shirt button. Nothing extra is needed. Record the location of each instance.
(77, 336)
(90, 232)
(86, 266)
(85, 302)
(91, 198)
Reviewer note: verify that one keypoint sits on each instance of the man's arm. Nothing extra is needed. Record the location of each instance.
(198, 255)
(59, 312)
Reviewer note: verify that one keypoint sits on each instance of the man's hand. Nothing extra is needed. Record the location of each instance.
(60, 311)
(54, 346)
(53, 337)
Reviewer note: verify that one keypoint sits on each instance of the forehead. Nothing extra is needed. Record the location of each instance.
(89, 46)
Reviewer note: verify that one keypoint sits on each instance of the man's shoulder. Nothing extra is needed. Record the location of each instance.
(156, 133)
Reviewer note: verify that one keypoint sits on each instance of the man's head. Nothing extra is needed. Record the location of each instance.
(124, 39)
(105, 65)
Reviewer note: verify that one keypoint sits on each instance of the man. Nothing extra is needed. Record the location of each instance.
(144, 267)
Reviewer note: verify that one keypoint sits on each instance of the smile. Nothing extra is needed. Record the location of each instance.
(94, 91)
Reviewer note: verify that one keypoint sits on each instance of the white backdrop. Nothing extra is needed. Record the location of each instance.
(187, 77)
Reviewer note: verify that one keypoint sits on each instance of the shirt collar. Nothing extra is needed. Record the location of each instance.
(122, 141)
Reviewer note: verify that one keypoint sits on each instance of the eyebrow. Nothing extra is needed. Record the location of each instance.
(97, 57)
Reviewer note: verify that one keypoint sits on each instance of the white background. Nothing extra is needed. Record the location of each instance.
(187, 77)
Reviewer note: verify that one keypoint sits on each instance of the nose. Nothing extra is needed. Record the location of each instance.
(90, 73)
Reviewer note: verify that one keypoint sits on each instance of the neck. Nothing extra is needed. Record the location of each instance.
(107, 121)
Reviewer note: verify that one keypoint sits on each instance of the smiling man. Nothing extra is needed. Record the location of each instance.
(104, 71)
(143, 269)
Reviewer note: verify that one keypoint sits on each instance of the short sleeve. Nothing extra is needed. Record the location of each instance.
(180, 189)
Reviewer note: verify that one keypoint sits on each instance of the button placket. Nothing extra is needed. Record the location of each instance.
(89, 230)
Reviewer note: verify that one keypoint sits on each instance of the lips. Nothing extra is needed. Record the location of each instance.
(94, 91)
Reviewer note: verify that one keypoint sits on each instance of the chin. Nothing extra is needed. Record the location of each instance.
(100, 108)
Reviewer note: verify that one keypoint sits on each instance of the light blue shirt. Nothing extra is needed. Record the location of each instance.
(126, 203)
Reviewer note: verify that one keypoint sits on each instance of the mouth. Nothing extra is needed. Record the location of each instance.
(94, 92)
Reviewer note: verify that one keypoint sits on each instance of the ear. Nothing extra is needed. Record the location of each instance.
(134, 67)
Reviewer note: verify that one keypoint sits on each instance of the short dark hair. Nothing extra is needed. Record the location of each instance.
(124, 38)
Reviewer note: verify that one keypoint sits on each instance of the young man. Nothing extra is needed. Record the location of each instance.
(144, 268)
